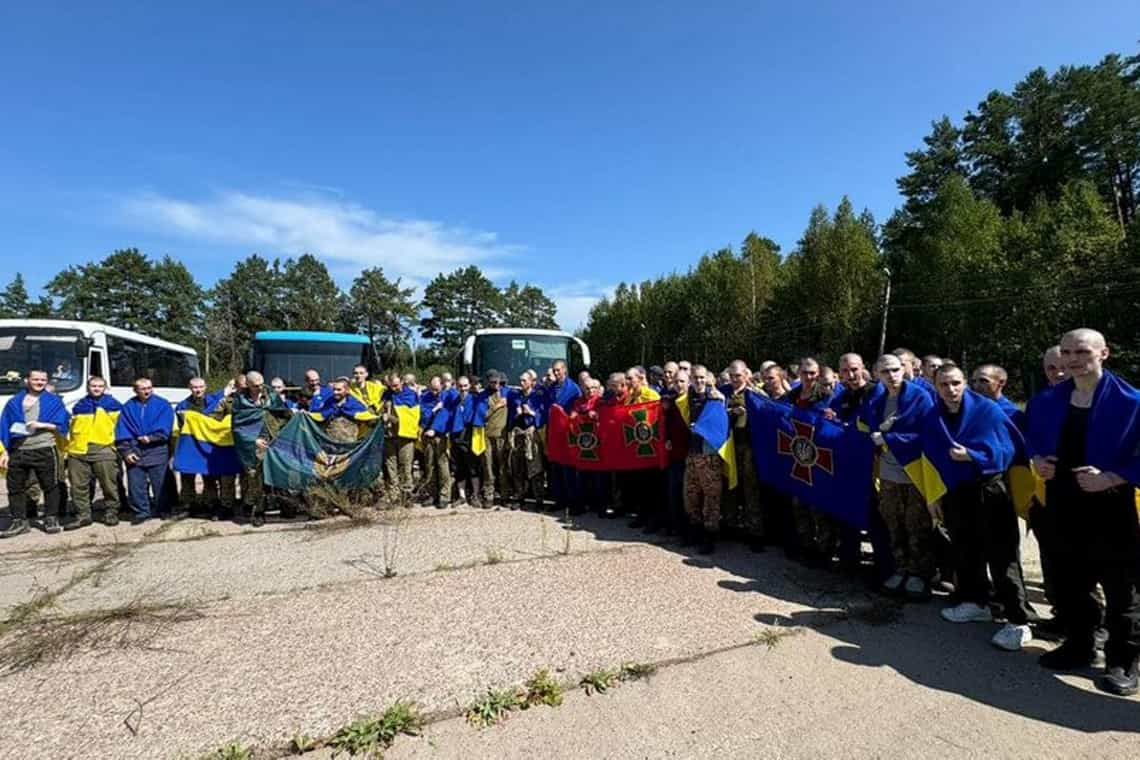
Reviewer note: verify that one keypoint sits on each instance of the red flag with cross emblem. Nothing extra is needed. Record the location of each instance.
(618, 438)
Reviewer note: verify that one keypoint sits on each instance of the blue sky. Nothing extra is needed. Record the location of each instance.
(570, 144)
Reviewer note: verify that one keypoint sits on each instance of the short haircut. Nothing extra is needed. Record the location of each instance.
(999, 372)
(253, 377)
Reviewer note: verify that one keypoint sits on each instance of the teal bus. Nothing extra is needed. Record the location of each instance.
(288, 353)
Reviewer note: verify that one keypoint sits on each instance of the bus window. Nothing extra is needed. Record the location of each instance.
(96, 365)
(54, 350)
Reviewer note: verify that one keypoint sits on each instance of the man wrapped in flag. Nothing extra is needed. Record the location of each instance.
(461, 432)
(971, 443)
(400, 416)
(31, 426)
(907, 484)
(142, 436)
(434, 421)
(341, 415)
(257, 414)
(492, 413)
(704, 467)
(366, 390)
(91, 455)
(1084, 437)
(205, 447)
(563, 478)
(524, 418)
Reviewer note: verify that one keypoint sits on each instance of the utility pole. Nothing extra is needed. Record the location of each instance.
(886, 309)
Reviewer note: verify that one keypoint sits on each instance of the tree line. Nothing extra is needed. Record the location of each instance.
(1018, 221)
(161, 298)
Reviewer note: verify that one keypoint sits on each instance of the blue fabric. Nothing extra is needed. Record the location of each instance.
(406, 397)
(1019, 418)
(329, 408)
(51, 410)
(926, 386)
(1113, 442)
(437, 421)
(990, 436)
(515, 400)
(564, 394)
(88, 405)
(141, 480)
(904, 439)
(154, 419)
(461, 413)
(822, 463)
(712, 424)
(849, 415)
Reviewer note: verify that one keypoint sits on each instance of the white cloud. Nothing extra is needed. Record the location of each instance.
(349, 237)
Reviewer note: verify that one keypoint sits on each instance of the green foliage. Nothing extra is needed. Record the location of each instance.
(600, 681)
(493, 706)
(232, 751)
(635, 671)
(382, 310)
(542, 689)
(458, 304)
(311, 300)
(128, 290)
(527, 306)
(14, 301)
(371, 735)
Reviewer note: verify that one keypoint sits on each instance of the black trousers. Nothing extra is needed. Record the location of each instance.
(40, 464)
(984, 533)
(1042, 522)
(1100, 544)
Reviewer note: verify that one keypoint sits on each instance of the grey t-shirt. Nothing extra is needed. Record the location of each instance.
(889, 467)
(40, 439)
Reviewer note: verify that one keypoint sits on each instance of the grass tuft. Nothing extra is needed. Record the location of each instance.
(635, 671)
(600, 681)
(231, 751)
(542, 689)
(494, 706)
(771, 637)
(371, 735)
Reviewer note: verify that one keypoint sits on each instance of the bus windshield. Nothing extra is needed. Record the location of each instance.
(288, 359)
(52, 349)
(513, 354)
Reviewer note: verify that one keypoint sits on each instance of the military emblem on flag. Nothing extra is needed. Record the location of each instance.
(642, 433)
(805, 454)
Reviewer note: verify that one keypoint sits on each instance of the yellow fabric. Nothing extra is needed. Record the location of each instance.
(645, 394)
(682, 403)
(926, 479)
(728, 454)
(370, 395)
(409, 416)
(1022, 488)
(478, 441)
(203, 427)
(87, 429)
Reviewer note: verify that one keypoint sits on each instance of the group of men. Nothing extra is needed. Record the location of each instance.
(480, 441)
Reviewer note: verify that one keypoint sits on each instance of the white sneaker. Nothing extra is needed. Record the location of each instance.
(894, 583)
(967, 612)
(1012, 637)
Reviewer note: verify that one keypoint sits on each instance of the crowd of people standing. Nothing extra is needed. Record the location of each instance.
(479, 441)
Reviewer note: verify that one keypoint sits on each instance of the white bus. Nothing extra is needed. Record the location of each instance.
(71, 351)
(512, 350)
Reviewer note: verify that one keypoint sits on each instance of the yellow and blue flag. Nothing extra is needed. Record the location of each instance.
(406, 406)
(206, 445)
(712, 426)
(903, 439)
(93, 423)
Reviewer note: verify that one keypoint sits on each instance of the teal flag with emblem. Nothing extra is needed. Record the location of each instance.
(303, 455)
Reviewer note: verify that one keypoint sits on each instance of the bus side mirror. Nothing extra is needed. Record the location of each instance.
(83, 345)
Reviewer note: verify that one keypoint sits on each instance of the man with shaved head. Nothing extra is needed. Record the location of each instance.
(1084, 437)
(912, 371)
(989, 380)
(749, 515)
(1052, 365)
(817, 533)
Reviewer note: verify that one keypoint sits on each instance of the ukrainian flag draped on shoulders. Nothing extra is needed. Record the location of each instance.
(51, 410)
(205, 440)
(982, 428)
(826, 465)
(371, 395)
(406, 406)
(903, 438)
(137, 419)
(1113, 441)
(93, 423)
(351, 407)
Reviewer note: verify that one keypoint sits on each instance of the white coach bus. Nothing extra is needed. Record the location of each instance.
(71, 351)
(513, 350)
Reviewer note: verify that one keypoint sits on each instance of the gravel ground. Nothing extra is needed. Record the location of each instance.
(292, 630)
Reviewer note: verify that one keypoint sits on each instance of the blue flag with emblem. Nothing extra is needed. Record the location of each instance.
(822, 463)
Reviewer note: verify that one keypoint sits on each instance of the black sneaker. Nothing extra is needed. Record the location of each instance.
(1120, 681)
(1068, 656)
(16, 528)
(111, 519)
(51, 525)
